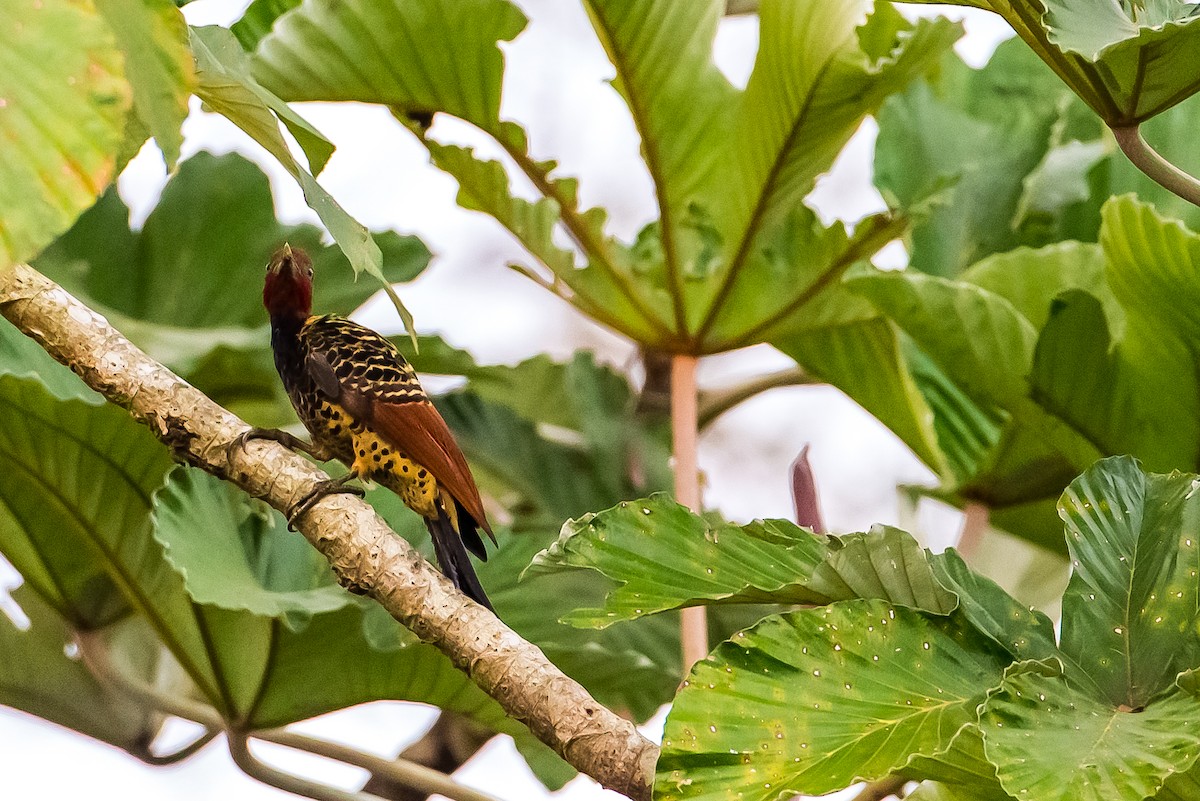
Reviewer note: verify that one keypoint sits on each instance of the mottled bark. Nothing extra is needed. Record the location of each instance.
(359, 545)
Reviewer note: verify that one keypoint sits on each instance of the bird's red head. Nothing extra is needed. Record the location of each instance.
(287, 292)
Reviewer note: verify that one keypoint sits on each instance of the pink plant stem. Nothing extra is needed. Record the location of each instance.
(684, 428)
(974, 526)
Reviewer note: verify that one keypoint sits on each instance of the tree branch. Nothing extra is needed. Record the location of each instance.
(359, 545)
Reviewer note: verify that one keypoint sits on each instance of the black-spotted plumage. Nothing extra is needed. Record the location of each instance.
(363, 405)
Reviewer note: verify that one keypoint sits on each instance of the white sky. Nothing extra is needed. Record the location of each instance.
(555, 86)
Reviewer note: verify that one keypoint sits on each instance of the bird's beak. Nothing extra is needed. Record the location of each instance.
(282, 260)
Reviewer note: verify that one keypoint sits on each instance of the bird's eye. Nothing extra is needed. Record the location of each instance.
(310, 272)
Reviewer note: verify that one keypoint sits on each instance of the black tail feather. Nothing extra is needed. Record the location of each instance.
(452, 556)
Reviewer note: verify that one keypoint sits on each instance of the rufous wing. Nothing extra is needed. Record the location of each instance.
(419, 431)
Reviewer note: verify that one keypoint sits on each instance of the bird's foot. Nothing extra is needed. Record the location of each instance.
(330, 487)
(285, 439)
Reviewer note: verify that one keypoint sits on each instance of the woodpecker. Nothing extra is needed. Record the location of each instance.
(363, 405)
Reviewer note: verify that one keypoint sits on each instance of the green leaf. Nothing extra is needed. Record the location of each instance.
(935, 791)
(665, 557)
(966, 191)
(1128, 62)
(21, 356)
(186, 287)
(1036, 453)
(1132, 596)
(966, 431)
(78, 477)
(1078, 376)
(1152, 263)
(865, 359)
(1050, 740)
(1148, 62)
(1060, 181)
(153, 37)
(989, 365)
(1032, 280)
(821, 67)
(1023, 632)
(682, 106)
(257, 20)
(317, 52)
(37, 677)
(484, 186)
(812, 701)
(227, 86)
(252, 568)
(961, 772)
(63, 105)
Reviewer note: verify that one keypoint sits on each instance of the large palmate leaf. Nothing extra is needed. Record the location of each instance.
(1128, 61)
(458, 71)
(823, 67)
(1130, 610)
(665, 557)
(964, 189)
(1028, 163)
(63, 105)
(153, 37)
(811, 701)
(37, 677)
(1050, 740)
(78, 478)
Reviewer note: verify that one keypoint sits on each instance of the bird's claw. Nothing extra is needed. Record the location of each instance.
(239, 442)
(329, 487)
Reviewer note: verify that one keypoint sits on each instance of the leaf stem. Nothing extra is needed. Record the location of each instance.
(239, 749)
(96, 657)
(684, 435)
(974, 526)
(715, 404)
(881, 788)
(419, 777)
(594, 246)
(1156, 168)
(180, 754)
